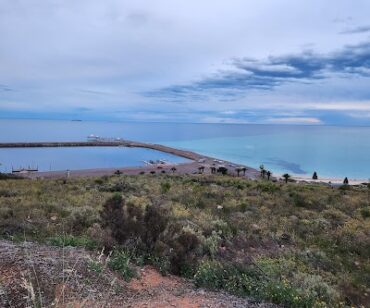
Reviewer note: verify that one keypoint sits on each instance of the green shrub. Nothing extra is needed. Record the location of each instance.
(365, 212)
(81, 219)
(95, 266)
(8, 176)
(210, 274)
(283, 293)
(183, 254)
(161, 263)
(120, 262)
(314, 287)
(7, 193)
(74, 241)
(125, 221)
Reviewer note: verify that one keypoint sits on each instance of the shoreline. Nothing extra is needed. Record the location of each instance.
(196, 161)
(322, 180)
(188, 168)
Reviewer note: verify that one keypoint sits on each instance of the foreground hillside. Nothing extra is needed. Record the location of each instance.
(297, 245)
(34, 275)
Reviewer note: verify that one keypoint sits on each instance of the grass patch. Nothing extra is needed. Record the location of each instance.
(120, 262)
(73, 241)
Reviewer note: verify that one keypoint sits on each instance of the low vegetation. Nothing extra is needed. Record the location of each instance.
(299, 245)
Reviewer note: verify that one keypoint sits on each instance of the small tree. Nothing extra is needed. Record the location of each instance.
(173, 169)
(118, 172)
(262, 170)
(213, 170)
(286, 176)
(268, 173)
(314, 176)
(345, 182)
(201, 169)
(238, 170)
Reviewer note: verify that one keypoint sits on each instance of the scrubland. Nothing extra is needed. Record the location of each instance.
(297, 245)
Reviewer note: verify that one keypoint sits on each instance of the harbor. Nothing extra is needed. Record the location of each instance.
(192, 163)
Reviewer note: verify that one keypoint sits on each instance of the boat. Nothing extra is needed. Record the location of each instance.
(93, 137)
(25, 170)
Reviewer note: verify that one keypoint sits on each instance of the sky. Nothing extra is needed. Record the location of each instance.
(223, 61)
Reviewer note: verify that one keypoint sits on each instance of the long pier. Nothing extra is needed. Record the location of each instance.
(119, 143)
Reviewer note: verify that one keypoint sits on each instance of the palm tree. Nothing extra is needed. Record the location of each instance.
(244, 170)
(314, 176)
(222, 170)
(345, 182)
(286, 176)
(263, 170)
(268, 173)
(173, 169)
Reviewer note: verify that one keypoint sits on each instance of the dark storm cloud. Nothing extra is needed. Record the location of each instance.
(361, 29)
(307, 67)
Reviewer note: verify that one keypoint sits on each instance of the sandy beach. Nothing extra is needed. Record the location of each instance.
(180, 169)
(325, 180)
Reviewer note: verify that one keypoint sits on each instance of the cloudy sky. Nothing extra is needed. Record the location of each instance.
(224, 61)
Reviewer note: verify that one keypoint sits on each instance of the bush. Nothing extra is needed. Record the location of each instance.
(81, 219)
(165, 187)
(365, 212)
(155, 223)
(125, 221)
(120, 262)
(6, 193)
(210, 274)
(184, 253)
(8, 176)
(248, 281)
(74, 241)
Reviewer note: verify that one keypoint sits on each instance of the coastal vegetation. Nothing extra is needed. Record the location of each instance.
(294, 244)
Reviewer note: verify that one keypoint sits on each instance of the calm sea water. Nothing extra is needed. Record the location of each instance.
(331, 151)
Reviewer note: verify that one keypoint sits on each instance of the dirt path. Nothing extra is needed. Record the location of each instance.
(32, 274)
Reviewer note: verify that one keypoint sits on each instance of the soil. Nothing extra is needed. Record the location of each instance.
(34, 275)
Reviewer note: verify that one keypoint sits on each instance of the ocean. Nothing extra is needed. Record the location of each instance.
(331, 151)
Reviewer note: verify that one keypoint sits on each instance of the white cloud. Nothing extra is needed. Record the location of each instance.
(294, 120)
(52, 49)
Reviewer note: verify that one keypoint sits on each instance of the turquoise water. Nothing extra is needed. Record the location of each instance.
(331, 151)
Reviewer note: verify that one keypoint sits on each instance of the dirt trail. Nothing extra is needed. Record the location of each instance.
(32, 274)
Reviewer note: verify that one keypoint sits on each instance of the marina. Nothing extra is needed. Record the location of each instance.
(113, 155)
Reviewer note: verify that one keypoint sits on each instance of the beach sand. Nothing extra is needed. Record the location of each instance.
(325, 180)
(181, 169)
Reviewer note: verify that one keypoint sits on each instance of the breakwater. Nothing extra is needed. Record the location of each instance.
(122, 143)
